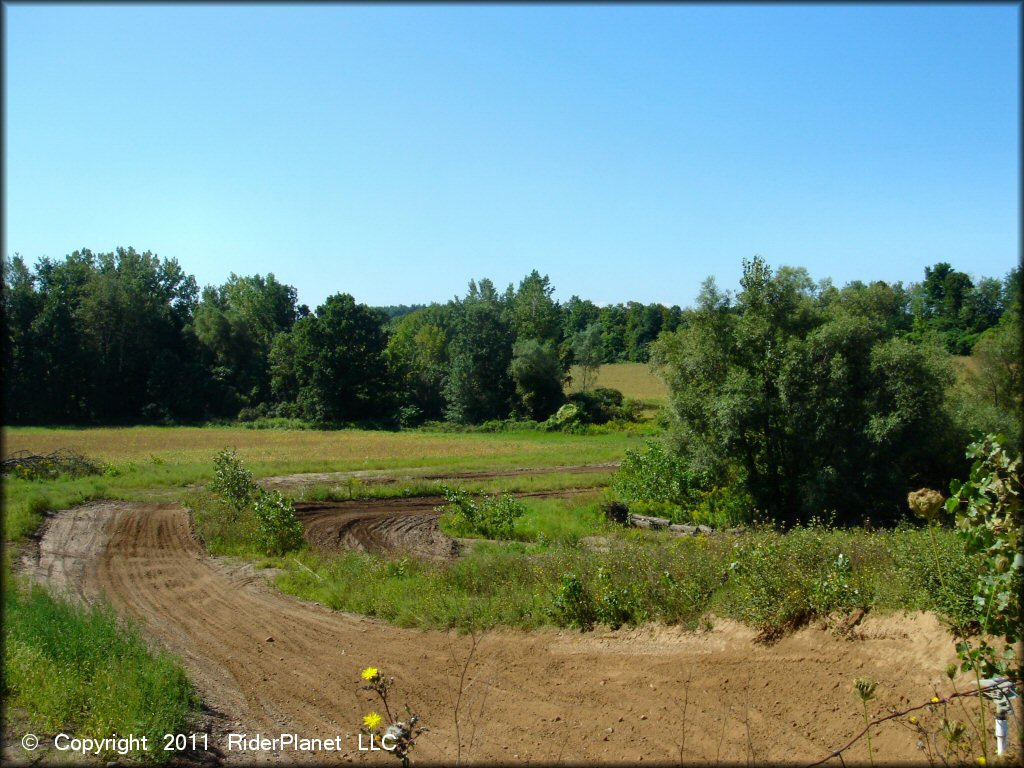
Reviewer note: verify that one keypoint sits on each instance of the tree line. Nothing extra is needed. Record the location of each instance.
(128, 337)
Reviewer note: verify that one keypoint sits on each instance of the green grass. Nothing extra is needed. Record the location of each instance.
(275, 452)
(81, 670)
(633, 380)
(771, 581)
(163, 463)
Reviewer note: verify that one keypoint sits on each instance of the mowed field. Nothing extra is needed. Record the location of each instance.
(633, 380)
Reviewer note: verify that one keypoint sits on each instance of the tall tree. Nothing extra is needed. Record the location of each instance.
(587, 349)
(339, 368)
(538, 375)
(237, 323)
(535, 315)
(418, 350)
(479, 385)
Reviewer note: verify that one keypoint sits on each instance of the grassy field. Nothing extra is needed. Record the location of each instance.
(279, 451)
(160, 463)
(634, 380)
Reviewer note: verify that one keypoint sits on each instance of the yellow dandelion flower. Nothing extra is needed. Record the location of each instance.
(935, 699)
(913, 720)
(370, 674)
(372, 720)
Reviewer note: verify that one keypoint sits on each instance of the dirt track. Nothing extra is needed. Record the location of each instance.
(384, 477)
(271, 664)
(405, 525)
(395, 526)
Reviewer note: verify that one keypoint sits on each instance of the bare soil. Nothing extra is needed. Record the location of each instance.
(267, 663)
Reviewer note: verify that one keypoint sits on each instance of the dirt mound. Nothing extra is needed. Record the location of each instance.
(272, 664)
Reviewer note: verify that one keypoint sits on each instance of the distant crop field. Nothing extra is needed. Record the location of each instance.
(634, 380)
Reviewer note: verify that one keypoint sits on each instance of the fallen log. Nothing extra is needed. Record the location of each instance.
(657, 523)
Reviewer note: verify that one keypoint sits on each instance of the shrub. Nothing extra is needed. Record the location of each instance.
(779, 582)
(652, 476)
(492, 517)
(573, 606)
(279, 530)
(232, 482)
(618, 603)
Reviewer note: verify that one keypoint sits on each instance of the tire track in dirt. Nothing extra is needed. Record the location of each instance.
(273, 664)
(402, 525)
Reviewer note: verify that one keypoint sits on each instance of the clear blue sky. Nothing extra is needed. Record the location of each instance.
(395, 152)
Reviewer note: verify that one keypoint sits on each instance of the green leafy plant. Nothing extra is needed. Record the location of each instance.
(232, 482)
(573, 606)
(279, 530)
(618, 603)
(989, 509)
(493, 517)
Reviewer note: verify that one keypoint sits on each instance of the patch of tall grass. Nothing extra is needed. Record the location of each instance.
(769, 580)
(80, 669)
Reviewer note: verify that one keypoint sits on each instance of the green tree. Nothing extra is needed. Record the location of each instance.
(340, 368)
(537, 373)
(22, 372)
(237, 324)
(534, 314)
(805, 397)
(479, 386)
(418, 350)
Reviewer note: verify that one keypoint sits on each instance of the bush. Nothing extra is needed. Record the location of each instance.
(603, 404)
(492, 517)
(618, 603)
(653, 476)
(232, 482)
(279, 530)
(780, 582)
(573, 606)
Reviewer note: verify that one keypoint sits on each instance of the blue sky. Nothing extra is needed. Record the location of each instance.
(395, 152)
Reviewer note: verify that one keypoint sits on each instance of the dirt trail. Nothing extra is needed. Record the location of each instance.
(386, 477)
(395, 526)
(271, 664)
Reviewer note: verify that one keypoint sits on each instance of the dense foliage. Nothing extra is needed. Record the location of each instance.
(813, 398)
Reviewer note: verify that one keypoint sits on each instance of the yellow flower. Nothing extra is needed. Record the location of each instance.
(913, 720)
(982, 761)
(935, 699)
(372, 720)
(370, 674)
